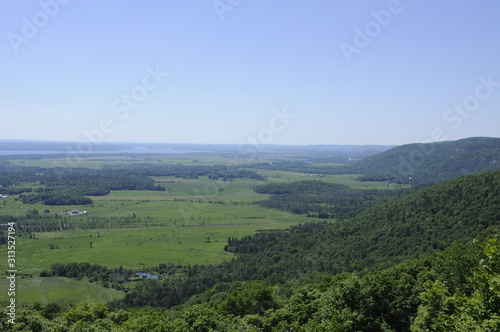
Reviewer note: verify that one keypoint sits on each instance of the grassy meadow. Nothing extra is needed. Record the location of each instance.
(62, 291)
(137, 248)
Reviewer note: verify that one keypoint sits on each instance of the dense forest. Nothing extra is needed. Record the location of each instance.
(216, 172)
(323, 200)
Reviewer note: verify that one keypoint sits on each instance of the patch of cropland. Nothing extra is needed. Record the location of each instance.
(421, 164)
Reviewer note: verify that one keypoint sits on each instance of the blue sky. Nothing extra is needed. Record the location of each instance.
(224, 71)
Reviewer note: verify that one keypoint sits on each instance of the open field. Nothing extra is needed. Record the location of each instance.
(189, 224)
(345, 179)
(189, 189)
(59, 290)
(138, 247)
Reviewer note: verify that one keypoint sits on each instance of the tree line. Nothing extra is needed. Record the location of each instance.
(214, 172)
(35, 222)
(72, 186)
(110, 278)
(323, 200)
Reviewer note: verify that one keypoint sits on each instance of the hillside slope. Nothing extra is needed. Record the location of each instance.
(411, 227)
(432, 162)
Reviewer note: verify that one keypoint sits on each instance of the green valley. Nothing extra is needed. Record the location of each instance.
(294, 241)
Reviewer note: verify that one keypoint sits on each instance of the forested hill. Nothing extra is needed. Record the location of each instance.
(432, 162)
(430, 219)
(412, 227)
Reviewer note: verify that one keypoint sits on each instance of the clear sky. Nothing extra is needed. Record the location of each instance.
(283, 72)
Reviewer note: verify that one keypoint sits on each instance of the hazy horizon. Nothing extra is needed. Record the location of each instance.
(237, 72)
(166, 144)
(34, 141)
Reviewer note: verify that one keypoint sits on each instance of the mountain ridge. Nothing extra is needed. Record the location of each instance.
(428, 163)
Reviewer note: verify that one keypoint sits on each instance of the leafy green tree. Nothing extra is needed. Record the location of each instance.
(480, 311)
(249, 298)
(297, 310)
(436, 300)
(86, 312)
(346, 307)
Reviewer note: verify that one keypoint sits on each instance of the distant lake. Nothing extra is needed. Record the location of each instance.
(138, 150)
